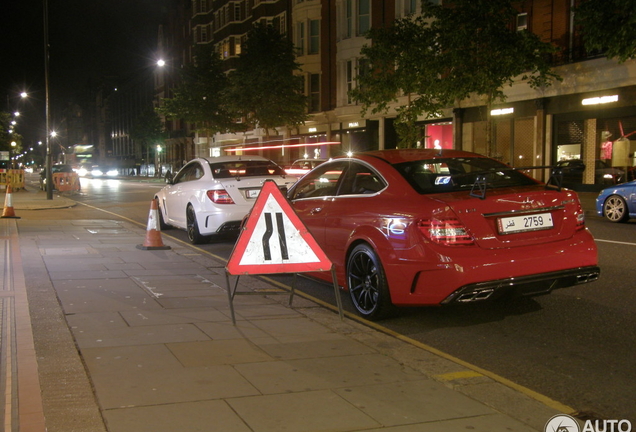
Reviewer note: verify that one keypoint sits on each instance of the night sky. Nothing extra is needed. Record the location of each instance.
(87, 39)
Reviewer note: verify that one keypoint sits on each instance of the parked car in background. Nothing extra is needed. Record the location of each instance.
(422, 227)
(301, 167)
(60, 168)
(617, 203)
(603, 174)
(210, 196)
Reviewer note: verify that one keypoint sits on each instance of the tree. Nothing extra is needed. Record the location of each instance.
(6, 137)
(445, 55)
(147, 130)
(201, 96)
(265, 86)
(610, 26)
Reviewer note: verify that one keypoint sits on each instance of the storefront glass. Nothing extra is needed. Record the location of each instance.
(439, 135)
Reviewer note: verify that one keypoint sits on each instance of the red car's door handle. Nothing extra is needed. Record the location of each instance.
(315, 210)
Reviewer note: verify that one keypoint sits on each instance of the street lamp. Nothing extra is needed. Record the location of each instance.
(13, 146)
(158, 162)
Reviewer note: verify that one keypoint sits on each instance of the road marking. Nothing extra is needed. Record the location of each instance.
(452, 376)
(616, 242)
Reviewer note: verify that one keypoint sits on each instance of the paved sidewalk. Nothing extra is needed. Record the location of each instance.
(130, 341)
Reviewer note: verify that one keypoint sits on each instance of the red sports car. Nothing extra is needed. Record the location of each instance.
(430, 227)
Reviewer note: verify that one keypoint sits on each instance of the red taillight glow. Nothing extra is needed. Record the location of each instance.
(580, 217)
(220, 197)
(448, 232)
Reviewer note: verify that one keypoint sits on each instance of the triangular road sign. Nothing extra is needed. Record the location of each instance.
(274, 240)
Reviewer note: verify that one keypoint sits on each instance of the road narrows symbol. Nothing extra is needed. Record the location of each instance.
(269, 230)
(281, 236)
(267, 253)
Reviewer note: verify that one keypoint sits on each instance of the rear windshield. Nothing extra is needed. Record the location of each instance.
(222, 170)
(448, 175)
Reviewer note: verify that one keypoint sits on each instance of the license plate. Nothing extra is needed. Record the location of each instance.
(525, 223)
(252, 193)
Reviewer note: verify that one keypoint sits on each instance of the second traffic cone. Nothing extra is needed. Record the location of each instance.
(153, 234)
(8, 211)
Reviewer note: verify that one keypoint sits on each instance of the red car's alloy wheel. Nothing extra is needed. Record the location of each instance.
(367, 283)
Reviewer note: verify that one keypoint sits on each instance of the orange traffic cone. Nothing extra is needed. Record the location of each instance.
(153, 234)
(8, 211)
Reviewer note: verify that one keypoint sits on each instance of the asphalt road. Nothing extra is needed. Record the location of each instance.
(575, 345)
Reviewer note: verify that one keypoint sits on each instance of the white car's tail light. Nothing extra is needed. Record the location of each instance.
(220, 197)
(448, 231)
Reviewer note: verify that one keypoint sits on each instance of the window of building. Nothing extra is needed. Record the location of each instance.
(314, 93)
(406, 7)
(364, 16)
(353, 69)
(314, 36)
(522, 21)
(282, 23)
(350, 77)
(348, 18)
(300, 38)
(354, 18)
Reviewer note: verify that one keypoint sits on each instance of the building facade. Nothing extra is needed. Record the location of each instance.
(594, 105)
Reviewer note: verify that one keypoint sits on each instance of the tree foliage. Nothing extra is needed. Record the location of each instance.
(446, 54)
(610, 26)
(6, 137)
(202, 95)
(147, 129)
(265, 87)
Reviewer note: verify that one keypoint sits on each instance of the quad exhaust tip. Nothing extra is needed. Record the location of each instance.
(477, 295)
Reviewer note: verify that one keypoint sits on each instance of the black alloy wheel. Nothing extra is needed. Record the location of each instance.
(192, 227)
(367, 283)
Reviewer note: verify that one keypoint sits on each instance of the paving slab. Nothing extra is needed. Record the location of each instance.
(310, 411)
(148, 375)
(200, 416)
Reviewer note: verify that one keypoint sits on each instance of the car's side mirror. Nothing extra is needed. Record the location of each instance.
(169, 178)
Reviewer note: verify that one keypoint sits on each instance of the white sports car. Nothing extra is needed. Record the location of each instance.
(211, 195)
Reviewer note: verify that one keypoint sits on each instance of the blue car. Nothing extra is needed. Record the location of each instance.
(617, 203)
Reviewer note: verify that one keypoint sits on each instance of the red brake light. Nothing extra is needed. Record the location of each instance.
(580, 217)
(220, 197)
(448, 232)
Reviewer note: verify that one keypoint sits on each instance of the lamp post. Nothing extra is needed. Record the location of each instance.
(158, 161)
(13, 146)
(49, 177)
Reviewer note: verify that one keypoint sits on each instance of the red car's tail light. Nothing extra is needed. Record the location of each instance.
(580, 217)
(220, 197)
(448, 232)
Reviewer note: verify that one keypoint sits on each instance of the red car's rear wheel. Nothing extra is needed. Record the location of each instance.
(368, 287)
